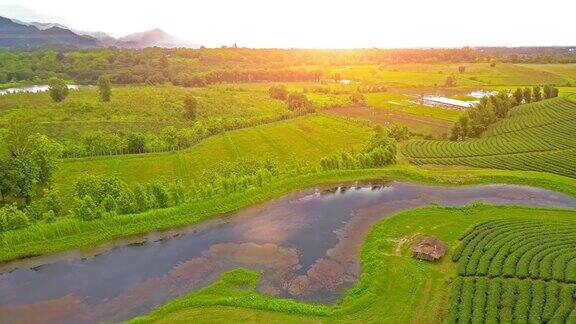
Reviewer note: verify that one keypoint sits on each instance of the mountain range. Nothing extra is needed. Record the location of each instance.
(15, 33)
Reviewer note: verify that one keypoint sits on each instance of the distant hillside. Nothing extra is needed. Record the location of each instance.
(154, 37)
(538, 136)
(14, 34)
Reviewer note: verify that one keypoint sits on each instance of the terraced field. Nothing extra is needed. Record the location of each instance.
(539, 137)
(300, 140)
(515, 271)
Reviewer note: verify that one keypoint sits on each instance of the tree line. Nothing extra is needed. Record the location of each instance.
(196, 67)
(95, 197)
(380, 152)
(490, 109)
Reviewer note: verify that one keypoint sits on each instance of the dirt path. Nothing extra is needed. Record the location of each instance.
(417, 124)
(417, 318)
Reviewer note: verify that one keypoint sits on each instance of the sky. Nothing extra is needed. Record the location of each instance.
(318, 23)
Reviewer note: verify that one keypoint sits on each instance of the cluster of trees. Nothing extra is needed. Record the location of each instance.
(358, 99)
(489, 110)
(96, 197)
(187, 79)
(380, 151)
(58, 89)
(46, 209)
(492, 108)
(26, 175)
(32, 159)
(535, 93)
(296, 101)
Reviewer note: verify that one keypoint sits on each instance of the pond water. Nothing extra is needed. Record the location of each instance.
(33, 89)
(306, 245)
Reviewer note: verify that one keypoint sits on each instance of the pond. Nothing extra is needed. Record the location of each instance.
(305, 244)
(33, 89)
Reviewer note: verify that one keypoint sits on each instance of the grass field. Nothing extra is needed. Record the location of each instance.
(420, 290)
(301, 140)
(139, 108)
(416, 124)
(538, 136)
(402, 103)
(475, 75)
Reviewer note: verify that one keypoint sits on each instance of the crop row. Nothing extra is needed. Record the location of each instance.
(498, 300)
(559, 162)
(519, 248)
(552, 137)
(535, 137)
(534, 114)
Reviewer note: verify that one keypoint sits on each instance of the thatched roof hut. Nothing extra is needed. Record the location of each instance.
(429, 248)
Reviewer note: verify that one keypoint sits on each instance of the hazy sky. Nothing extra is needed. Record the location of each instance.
(319, 23)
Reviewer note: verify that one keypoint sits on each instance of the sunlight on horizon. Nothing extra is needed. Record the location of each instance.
(316, 24)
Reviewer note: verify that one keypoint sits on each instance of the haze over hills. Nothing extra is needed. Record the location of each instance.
(15, 33)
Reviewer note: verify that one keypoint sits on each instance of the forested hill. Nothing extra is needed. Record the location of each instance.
(13, 34)
(538, 136)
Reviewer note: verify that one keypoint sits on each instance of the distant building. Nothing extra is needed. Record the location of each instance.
(447, 102)
(429, 248)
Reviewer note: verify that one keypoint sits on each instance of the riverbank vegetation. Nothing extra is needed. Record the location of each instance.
(65, 233)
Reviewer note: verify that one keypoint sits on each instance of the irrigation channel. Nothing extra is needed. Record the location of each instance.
(306, 245)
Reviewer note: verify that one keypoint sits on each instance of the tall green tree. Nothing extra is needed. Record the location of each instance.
(6, 183)
(47, 155)
(58, 89)
(536, 93)
(25, 175)
(21, 128)
(104, 88)
(527, 95)
(518, 95)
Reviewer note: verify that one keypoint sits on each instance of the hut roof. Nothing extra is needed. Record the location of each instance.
(429, 248)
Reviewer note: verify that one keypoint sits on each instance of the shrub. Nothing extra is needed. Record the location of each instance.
(86, 209)
(12, 218)
(278, 92)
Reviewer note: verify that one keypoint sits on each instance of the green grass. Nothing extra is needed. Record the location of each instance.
(475, 75)
(67, 233)
(393, 287)
(140, 108)
(300, 140)
(539, 136)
